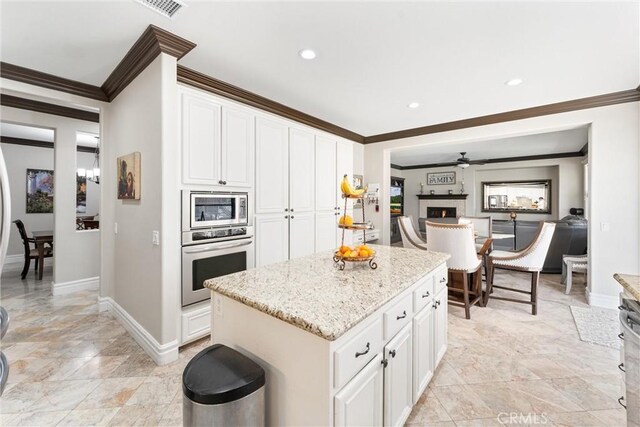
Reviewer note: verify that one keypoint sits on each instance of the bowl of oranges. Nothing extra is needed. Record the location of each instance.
(360, 253)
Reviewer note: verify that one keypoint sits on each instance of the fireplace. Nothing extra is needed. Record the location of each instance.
(441, 212)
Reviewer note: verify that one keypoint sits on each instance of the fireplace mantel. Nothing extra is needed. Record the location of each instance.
(442, 196)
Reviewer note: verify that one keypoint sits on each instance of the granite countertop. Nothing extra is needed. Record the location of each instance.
(630, 283)
(312, 294)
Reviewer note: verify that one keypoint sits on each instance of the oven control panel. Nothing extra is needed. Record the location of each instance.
(215, 234)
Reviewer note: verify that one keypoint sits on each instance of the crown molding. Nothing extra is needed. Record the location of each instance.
(151, 43)
(49, 81)
(44, 107)
(40, 144)
(631, 95)
(490, 161)
(202, 81)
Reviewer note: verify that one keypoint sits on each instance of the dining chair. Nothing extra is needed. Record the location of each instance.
(481, 225)
(571, 263)
(529, 260)
(410, 237)
(29, 253)
(458, 240)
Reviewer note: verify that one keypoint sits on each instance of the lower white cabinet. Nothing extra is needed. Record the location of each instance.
(398, 373)
(359, 403)
(440, 324)
(272, 238)
(326, 226)
(423, 350)
(301, 234)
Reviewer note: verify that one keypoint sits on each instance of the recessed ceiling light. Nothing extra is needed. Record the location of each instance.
(307, 54)
(414, 105)
(514, 82)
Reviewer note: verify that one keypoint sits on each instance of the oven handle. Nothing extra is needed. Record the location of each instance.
(210, 248)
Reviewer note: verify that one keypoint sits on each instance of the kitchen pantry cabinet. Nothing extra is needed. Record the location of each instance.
(217, 142)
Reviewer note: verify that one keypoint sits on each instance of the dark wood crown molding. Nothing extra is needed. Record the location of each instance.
(442, 196)
(501, 160)
(40, 144)
(218, 87)
(151, 43)
(44, 107)
(631, 95)
(49, 81)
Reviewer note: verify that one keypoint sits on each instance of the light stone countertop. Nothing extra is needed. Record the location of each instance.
(630, 283)
(312, 294)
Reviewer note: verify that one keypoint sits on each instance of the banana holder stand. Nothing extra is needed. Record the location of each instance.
(338, 257)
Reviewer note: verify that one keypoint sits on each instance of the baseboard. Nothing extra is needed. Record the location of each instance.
(601, 300)
(162, 354)
(89, 284)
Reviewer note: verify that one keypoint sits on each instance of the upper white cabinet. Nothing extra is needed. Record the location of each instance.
(200, 140)
(238, 141)
(326, 185)
(217, 142)
(272, 166)
(301, 171)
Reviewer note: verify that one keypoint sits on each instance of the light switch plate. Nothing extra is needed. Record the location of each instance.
(115, 228)
(155, 237)
(604, 226)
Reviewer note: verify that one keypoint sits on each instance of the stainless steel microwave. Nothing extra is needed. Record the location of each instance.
(202, 209)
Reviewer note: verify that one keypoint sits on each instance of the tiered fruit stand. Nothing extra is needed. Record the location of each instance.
(338, 257)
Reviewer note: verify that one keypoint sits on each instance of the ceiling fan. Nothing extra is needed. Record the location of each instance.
(464, 162)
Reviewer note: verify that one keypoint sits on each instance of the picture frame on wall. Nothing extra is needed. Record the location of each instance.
(441, 178)
(129, 176)
(39, 191)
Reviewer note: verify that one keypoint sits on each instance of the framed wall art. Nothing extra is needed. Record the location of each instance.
(129, 176)
(39, 191)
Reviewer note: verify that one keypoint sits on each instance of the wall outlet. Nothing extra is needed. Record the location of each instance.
(604, 226)
(155, 238)
(218, 306)
(115, 228)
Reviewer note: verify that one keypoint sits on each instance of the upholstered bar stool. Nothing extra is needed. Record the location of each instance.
(410, 237)
(458, 241)
(529, 260)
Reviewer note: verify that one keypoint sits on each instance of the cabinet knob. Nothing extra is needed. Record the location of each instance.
(224, 182)
(291, 209)
(286, 217)
(292, 217)
(286, 209)
(384, 362)
(392, 353)
(221, 182)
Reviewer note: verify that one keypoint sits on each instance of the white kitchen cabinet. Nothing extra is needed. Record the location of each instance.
(423, 354)
(360, 402)
(398, 393)
(326, 225)
(200, 140)
(301, 234)
(344, 165)
(238, 142)
(272, 238)
(325, 173)
(301, 171)
(440, 324)
(272, 167)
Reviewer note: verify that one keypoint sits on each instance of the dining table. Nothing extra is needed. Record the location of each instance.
(41, 238)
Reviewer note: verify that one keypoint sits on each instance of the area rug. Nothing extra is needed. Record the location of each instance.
(597, 325)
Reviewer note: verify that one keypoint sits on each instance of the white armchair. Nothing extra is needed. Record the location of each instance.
(410, 237)
(458, 240)
(530, 260)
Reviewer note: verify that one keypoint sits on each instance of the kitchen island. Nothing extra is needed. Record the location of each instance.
(357, 346)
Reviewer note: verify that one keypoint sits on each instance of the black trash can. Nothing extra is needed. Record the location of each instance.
(222, 387)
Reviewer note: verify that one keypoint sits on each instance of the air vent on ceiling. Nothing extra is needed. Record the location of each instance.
(167, 8)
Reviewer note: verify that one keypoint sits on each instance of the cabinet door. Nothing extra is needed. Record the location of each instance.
(398, 385)
(326, 225)
(359, 403)
(272, 238)
(238, 141)
(423, 353)
(272, 167)
(326, 185)
(301, 234)
(301, 170)
(440, 325)
(200, 140)
(344, 165)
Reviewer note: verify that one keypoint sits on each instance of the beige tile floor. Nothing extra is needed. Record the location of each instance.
(74, 366)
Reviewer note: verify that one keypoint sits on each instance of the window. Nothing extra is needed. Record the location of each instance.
(520, 196)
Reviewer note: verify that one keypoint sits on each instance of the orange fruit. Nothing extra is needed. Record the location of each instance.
(353, 254)
(364, 253)
(343, 249)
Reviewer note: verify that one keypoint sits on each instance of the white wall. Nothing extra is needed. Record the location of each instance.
(142, 278)
(77, 254)
(614, 149)
(18, 159)
(566, 186)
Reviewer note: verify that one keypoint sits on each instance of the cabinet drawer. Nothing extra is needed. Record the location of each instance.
(354, 355)
(440, 279)
(423, 294)
(398, 316)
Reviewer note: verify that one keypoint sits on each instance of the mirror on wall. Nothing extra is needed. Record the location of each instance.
(519, 196)
(87, 181)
